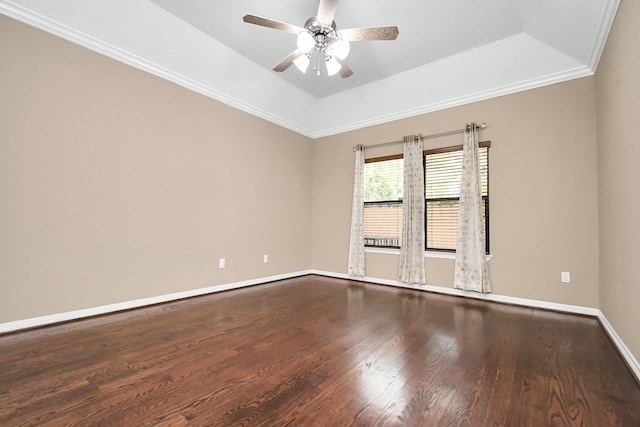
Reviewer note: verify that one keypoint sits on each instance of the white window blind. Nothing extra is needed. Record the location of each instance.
(443, 177)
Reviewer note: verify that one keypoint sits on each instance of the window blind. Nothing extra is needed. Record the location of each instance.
(443, 178)
(383, 203)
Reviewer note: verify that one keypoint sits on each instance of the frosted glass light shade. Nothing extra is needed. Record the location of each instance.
(305, 41)
(340, 48)
(302, 62)
(333, 66)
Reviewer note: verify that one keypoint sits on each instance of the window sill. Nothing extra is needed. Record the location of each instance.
(427, 254)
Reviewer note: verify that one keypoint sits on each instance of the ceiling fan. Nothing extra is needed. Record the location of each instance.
(321, 41)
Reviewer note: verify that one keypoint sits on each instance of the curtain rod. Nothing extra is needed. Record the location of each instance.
(435, 135)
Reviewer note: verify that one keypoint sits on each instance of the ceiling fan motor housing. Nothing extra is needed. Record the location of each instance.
(322, 34)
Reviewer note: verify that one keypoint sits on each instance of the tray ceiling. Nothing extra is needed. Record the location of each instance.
(447, 53)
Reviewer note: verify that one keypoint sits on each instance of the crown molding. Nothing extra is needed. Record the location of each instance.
(309, 130)
(546, 80)
(58, 29)
(609, 15)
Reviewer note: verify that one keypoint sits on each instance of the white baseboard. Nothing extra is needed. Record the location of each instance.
(34, 322)
(626, 354)
(127, 305)
(624, 351)
(588, 311)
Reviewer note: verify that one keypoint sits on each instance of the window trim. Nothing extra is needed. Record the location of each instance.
(431, 252)
(427, 253)
(385, 158)
(481, 144)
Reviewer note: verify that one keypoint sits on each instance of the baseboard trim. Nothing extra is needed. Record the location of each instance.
(623, 350)
(576, 309)
(35, 322)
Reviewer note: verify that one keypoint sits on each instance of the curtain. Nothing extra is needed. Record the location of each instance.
(471, 272)
(413, 234)
(356, 241)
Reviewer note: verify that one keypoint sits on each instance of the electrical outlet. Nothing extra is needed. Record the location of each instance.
(221, 263)
(265, 259)
(565, 277)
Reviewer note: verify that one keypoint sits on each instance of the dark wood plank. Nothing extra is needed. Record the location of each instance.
(319, 351)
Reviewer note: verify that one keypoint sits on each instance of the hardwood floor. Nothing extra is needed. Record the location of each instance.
(317, 351)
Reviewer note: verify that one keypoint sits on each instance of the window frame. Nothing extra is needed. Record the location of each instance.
(384, 202)
(425, 153)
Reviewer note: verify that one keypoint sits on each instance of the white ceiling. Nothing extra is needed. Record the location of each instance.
(448, 52)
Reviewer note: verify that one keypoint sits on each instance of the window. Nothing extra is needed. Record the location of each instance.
(383, 198)
(383, 182)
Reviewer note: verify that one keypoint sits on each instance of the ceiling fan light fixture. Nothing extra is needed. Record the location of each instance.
(302, 62)
(340, 48)
(305, 41)
(333, 66)
(320, 39)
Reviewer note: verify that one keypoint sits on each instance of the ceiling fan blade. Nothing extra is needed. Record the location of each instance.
(327, 10)
(345, 71)
(270, 23)
(369, 33)
(286, 62)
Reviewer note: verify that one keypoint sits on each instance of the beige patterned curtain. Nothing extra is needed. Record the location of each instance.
(471, 272)
(356, 241)
(412, 247)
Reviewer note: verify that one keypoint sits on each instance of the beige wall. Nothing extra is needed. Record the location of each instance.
(543, 192)
(618, 92)
(117, 185)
